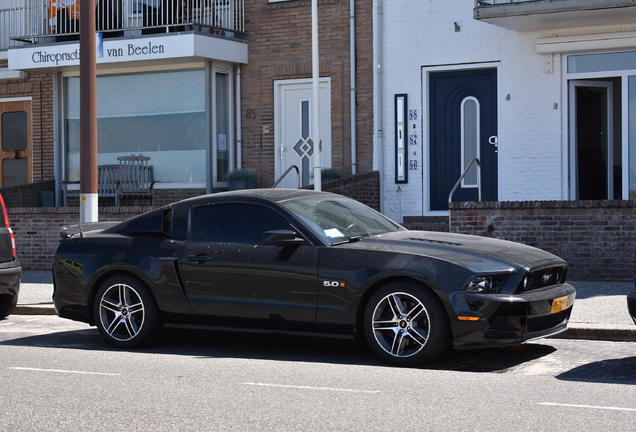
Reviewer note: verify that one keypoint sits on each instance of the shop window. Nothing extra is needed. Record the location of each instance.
(162, 115)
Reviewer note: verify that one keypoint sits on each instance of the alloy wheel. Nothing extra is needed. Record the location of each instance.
(121, 312)
(400, 324)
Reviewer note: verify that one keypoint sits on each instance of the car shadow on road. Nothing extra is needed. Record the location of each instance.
(612, 371)
(216, 345)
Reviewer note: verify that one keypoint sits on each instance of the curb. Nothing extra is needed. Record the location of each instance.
(612, 334)
(34, 310)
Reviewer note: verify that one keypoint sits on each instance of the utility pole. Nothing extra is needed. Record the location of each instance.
(315, 75)
(88, 114)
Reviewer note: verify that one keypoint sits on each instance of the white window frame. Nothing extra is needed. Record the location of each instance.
(222, 68)
(463, 143)
(567, 191)
(574, 170)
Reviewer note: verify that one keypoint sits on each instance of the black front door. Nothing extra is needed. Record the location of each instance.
(234, 280)
(463, 126)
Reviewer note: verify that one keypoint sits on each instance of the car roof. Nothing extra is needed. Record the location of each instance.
(276, 195)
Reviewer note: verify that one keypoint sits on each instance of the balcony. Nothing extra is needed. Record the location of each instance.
(530, 15)
(28, 22)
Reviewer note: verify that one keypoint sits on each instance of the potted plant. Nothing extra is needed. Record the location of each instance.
(242, 179)
(330, 174)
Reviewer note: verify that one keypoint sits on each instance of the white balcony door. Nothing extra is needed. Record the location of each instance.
(592, 140)
(294, 131)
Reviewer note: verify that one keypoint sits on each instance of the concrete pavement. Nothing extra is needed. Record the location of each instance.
(600, 310)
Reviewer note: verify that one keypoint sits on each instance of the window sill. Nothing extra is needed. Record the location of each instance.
(284, 4)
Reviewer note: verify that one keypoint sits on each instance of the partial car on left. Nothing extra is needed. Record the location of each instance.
(10, 269)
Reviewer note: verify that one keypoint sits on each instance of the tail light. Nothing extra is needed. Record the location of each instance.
(7, 224)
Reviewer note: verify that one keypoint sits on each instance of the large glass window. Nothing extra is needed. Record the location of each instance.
(602, 62)
(233, 223)
(162, 115)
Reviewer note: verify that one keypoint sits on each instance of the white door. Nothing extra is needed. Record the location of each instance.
(294, 130)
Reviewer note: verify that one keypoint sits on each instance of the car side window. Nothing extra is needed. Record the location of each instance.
(233, 223)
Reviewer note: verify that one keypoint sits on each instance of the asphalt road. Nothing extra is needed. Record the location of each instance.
(58, 375)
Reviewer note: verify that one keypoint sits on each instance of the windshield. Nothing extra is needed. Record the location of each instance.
(339, 219)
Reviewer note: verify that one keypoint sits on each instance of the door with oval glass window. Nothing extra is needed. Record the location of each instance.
(15, 143)
(463, 126)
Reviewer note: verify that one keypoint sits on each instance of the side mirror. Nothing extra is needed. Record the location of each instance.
(283, 237)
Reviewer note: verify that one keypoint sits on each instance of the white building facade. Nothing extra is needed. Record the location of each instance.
(543, 93)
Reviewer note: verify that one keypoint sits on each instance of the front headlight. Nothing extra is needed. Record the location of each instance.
(485, 284)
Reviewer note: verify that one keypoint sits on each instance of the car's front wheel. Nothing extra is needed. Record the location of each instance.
(405, 324)
(7, 305)
(125, 312)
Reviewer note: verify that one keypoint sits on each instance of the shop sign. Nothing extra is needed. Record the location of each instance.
(112, 51)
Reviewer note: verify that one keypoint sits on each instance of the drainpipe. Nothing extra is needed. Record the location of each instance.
(239, 151)
(315, 79)
(352, 67)
(378, 145)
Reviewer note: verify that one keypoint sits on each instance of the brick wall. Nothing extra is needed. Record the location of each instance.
(597, 238)
(27, 195)
(38, 86)
(167, 196)
(37, 232)
(280, 48)
(363, 187)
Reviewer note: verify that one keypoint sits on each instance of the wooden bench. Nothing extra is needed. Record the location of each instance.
(132, 177)
(136, 178)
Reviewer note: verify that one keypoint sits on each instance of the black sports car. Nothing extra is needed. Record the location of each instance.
(298, 261)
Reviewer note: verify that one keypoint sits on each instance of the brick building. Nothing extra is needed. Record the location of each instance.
(209, 88)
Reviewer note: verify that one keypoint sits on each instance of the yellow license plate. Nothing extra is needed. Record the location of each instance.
(559, 304)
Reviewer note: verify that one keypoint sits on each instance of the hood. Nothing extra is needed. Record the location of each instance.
(474, 252)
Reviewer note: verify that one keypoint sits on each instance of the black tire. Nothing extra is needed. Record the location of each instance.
(7, 305)
(424, 338)
(136, 327)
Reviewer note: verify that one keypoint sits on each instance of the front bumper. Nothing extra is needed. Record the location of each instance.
(631, 305)
(10, 273)
(509, 319)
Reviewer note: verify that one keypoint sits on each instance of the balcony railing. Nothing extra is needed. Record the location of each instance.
(11, 19)
(28, 21)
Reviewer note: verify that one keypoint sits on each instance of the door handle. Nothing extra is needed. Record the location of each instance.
(199, 259)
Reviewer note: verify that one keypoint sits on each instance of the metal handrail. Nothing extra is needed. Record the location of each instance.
(280, 179)
(459, 181)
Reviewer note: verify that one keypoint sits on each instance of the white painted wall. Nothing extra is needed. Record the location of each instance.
(422, 33)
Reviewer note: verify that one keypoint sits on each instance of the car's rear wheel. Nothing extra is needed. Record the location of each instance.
(125, 312)
(405, 324)
(7, 305)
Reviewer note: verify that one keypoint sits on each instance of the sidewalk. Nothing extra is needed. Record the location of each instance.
(600, 309)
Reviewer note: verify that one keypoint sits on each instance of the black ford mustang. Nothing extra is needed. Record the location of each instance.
(296, 261)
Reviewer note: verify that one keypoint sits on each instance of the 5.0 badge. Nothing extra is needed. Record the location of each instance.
(334, 284)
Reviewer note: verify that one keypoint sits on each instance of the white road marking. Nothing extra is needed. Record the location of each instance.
(588, 406)
(63, 371)
(6, 324)
(312, 388)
